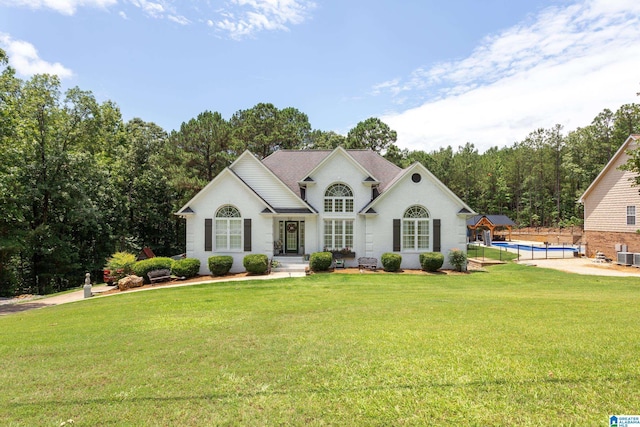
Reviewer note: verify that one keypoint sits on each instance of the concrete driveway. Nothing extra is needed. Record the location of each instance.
(584, 266)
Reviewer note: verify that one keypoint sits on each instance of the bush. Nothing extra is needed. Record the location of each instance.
(120, 265)
(431, 261)
(320, 261)
(141, 268)
(458, 259)
(186, 267)
(390, 261)
(256, 263)
(219, 265)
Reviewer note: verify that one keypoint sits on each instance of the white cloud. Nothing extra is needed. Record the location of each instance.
(24, 57)
(179, 19)
(563, 67)
(66, 7)
(249, 17)
(153, 9)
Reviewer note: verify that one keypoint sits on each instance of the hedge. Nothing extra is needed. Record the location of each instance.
(256, 263)
(320, 261)
(390, 261)
(141, 268)
(219, 265)
(431, 261)
(186, 267)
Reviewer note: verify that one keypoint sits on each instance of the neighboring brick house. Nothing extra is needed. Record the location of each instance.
(299, 202)
(612, 205)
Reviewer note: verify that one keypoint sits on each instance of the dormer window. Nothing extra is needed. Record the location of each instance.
(338, 198)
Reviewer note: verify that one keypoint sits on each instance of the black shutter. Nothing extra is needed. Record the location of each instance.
(247, 234)
(208, 234)
(436, 236)
(396, 235)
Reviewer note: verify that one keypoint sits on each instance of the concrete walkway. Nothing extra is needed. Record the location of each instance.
(17, 305)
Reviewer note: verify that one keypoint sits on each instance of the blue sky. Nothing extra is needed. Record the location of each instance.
(439, 73)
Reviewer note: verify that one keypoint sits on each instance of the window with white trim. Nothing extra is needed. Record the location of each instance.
(338, 234)
(338, 198)
(228, 229)
(415, 229)
(631, 215)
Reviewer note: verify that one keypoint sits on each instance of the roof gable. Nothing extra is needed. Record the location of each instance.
(265, 183)
(630, 144)
(415, 167)
(331, 157)
(496, 220)
(295, 166)
(225, 174)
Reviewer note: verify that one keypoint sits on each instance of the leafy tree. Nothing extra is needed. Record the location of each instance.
(373, 134)
(265, 129)
(200, 150)
(321, 140)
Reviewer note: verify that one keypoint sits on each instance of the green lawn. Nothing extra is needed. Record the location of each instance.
(495, 253)
(513, 346)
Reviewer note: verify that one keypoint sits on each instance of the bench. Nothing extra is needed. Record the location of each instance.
(159, 275)
(367, 262)
(338, 260)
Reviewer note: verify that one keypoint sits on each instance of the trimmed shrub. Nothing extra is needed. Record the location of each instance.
(390, 261)
(120, 265)
(141, 268)
(186, 267)
(458, 259)
(320, 261)
(256, 263)
(219, 265)
(431, 261)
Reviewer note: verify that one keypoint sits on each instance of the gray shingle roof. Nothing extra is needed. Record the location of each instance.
(498, 220)
(293, 166)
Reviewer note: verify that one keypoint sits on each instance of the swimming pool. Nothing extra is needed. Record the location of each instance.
(541, 248)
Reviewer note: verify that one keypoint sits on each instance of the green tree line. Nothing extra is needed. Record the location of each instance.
(78, 183)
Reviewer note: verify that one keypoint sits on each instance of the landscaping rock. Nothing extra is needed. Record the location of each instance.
(128, 282)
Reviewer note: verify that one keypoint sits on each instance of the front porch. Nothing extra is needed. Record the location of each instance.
(289, 236)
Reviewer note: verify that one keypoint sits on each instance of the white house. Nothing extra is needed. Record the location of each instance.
(300, 202)
(611, 206)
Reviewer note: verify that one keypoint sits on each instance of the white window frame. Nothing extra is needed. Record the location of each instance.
(336, 234)
(229, 229)
(415, 233)
(338, 198)
(631, 215)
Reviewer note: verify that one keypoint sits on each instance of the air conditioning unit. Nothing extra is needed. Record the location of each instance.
(625, 258)
(636, 260)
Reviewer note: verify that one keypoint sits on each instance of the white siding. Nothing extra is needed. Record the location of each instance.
(265, 184)
(605, 207)
(440, 205)
(342, 170)
(228, 190)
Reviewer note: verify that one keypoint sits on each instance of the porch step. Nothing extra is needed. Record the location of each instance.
(291, 264)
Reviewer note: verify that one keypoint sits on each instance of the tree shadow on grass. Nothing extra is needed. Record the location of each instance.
(19, 308)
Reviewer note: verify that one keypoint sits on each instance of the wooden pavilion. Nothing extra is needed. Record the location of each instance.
(492, 223)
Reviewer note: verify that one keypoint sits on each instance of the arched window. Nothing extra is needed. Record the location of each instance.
(338, 198)
(228, 229)
(415, 229)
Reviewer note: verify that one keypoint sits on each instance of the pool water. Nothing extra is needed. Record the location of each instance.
(541, 248)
